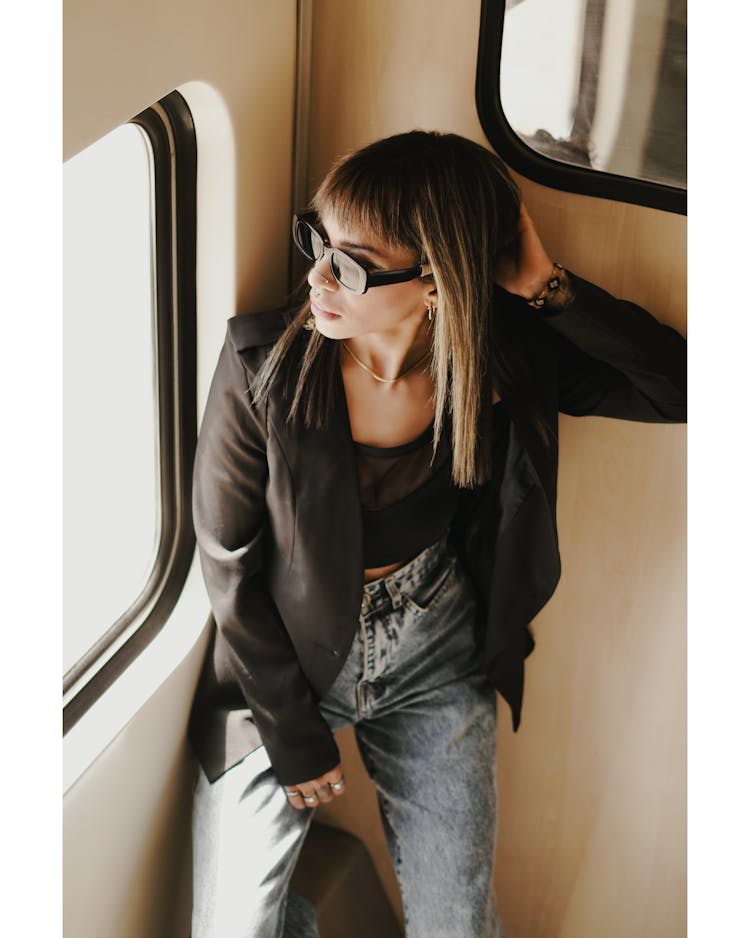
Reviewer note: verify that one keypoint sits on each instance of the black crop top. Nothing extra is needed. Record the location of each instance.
(406, 502)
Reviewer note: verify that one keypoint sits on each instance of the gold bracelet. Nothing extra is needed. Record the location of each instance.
(552, 285)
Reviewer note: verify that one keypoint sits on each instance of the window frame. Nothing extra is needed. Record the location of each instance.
(533, 165)
(168, 124)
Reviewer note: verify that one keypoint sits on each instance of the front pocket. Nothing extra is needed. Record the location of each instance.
(426, 595)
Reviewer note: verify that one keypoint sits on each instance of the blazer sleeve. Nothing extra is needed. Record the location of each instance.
(616, 360)
(229, 513)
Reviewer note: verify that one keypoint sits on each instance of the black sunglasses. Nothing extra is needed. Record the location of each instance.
(347, 271)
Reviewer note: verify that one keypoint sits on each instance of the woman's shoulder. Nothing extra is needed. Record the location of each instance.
(255, 330)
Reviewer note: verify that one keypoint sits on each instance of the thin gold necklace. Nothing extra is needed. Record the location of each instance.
(387, 380)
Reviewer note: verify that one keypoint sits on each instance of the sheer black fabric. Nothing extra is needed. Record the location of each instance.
(408, 499)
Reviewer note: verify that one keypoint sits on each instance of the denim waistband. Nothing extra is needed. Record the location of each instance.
(385, 589)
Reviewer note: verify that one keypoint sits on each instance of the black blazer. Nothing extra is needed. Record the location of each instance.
(277, 519)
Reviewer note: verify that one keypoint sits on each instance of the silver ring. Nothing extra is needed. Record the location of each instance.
(316, 292)
(293, 794)
(337, 786)
(311, 799)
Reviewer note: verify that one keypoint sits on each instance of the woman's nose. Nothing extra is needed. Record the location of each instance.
(320, 274)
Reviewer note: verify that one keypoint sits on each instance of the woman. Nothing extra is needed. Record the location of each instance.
(374, 499)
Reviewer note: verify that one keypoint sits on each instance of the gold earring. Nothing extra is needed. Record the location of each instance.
(431, 313)
(309, 323)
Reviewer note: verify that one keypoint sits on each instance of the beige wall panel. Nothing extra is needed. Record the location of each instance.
(387, 67)
(592, 789)
(126, 824)
(120, 58)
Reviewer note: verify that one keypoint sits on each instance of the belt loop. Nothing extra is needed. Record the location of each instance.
(393, 592)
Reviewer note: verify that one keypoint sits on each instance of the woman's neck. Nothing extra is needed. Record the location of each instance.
(390, 354)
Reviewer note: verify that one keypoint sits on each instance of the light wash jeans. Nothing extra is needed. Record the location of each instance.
(424, 718)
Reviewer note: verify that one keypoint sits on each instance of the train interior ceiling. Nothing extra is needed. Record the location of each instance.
(192, 131)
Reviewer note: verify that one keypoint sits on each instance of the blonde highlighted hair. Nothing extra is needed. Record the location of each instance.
(450, 201)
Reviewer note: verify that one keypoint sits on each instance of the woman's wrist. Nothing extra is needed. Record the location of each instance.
(535, 286)
(554, 292)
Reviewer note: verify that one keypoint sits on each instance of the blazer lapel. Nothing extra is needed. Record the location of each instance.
(328, 551)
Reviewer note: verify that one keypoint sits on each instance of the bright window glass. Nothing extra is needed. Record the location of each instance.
(539, 67)
(110, 458)
(599, 83)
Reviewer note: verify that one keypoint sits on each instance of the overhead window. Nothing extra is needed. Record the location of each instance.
(589, 95)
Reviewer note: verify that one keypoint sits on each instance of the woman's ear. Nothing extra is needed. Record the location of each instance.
(430, 291)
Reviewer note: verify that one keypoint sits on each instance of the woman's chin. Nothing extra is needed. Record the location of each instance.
(330, 326)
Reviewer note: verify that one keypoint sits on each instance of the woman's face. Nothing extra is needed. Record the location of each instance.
(341, 314)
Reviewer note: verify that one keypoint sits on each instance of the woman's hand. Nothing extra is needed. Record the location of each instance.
(317, 790)
(526, 268)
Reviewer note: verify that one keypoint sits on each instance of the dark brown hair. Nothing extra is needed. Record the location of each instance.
(452, 202)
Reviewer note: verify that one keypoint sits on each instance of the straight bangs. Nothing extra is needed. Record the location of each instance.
(401, 188)
(375, 197)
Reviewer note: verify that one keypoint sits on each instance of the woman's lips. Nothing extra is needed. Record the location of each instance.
(323, 313)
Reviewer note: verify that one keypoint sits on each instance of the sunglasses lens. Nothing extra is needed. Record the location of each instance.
(308, 240)
(348, 272)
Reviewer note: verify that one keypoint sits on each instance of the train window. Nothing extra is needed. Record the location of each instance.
(589, 95)
(111, 494)
(129, 392)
